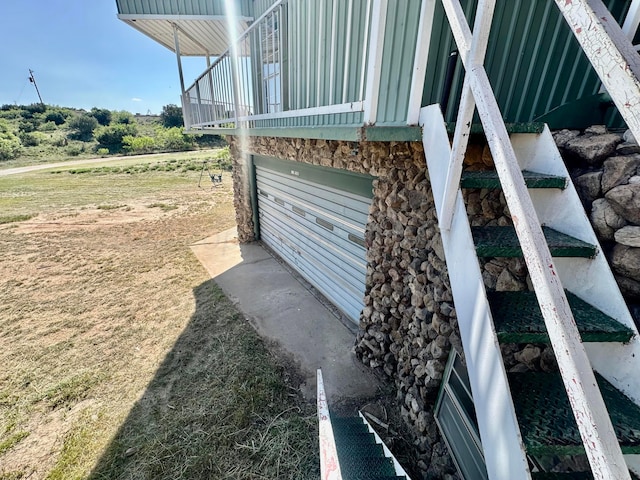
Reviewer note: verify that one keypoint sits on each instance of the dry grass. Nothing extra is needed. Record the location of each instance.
(121, 359)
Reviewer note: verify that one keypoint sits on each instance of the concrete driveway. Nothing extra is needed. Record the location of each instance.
(284, 311)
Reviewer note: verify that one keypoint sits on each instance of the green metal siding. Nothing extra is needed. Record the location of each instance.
(181, 7)
(261, 6)
(309, 76)
(397, 61)
(533, 61)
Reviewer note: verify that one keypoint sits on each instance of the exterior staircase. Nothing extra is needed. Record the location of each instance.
(350, 449)
(526, 416)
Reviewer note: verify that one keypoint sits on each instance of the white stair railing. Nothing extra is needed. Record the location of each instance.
(610, 52)
(602, 448)
(329, 465)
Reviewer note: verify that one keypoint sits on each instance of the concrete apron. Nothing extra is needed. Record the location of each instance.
(285, 312)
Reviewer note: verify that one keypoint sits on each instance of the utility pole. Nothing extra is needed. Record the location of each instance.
(32, 79)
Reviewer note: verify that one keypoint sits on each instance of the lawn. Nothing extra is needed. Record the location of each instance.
(120, 357)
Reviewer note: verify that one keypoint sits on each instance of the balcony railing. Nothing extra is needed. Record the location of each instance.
(272, 71)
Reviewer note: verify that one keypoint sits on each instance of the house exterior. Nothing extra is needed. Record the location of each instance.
(378, 149)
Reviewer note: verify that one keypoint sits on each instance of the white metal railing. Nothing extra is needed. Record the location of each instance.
(278, 72)
(329, 464)
(586, 400)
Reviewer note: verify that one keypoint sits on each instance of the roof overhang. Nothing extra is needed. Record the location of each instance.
(199, 35)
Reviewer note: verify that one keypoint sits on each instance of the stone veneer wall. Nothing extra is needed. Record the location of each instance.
(605, 168)
(408, 323)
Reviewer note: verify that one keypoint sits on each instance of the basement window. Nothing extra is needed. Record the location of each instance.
(456, 418)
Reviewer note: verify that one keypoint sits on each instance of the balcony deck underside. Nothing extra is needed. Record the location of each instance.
(200, 35)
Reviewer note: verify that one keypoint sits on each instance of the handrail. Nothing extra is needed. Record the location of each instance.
(610, 52)
(593, 422)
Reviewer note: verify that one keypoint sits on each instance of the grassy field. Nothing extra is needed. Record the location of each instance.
(120, 357)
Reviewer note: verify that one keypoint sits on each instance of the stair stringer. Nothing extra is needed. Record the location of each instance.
(505, 454)
(590, 279)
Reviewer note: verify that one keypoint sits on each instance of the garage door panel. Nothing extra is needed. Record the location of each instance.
(322, 200)
(332, 287)
(306, 247)
(351, 248)
(317, 229)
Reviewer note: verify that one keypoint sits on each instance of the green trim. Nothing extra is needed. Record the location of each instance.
(503, 242)
(392, 134)
(354, 133)
(477, 128)
(352, 182)
(489, 179)
(349, 134)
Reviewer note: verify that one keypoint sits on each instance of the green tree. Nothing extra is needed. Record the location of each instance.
(171, 116)
(10, 146)
(83, 126)
(102, 115)
(55, 116)
(123, 117)
(112, 136)
(173, 139)
(138, 144)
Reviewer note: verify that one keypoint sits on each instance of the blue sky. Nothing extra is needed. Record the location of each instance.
(83, 56)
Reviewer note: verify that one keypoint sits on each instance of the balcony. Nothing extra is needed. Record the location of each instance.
(299, 64)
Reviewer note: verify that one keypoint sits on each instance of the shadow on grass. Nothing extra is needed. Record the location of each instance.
(218, 407)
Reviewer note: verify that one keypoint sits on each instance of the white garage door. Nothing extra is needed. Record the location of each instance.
(315, 218)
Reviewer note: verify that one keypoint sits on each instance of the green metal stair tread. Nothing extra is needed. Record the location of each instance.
(547, 423)
(477, 128)
(366, 467)
(518, 319)
(503, 242)
(349, 428)
(489, 179)
(355, 450)
(335, 420)
(342, 436)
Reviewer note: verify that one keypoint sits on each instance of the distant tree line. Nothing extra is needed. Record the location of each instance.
(109, 131)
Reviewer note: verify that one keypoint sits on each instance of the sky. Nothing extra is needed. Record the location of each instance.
(82, 56)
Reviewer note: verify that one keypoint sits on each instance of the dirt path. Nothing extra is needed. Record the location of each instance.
(73, 163)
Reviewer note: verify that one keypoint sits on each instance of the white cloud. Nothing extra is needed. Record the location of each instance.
(136, 99)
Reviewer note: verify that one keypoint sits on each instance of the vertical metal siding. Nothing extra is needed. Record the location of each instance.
(318, 230)
(533, 61)
(397, 62)
(261, 6)
(181, 7)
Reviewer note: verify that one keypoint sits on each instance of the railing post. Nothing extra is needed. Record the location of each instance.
(185, 105)
(233, 58)
(423, 43)
(376, 46)
(610, 52)
(473, 56)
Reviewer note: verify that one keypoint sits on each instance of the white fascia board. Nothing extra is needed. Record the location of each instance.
(178, 18)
